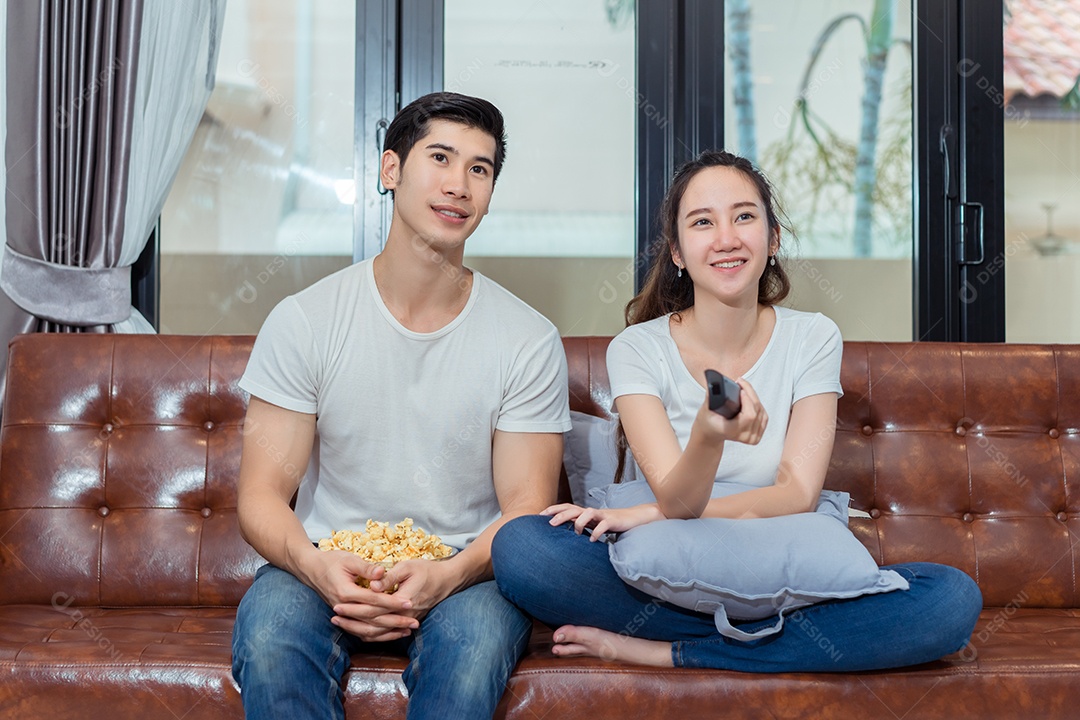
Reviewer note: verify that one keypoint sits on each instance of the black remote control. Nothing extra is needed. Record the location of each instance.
(723, 394)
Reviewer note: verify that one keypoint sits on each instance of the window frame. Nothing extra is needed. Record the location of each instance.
(959, 139)
(958, 273)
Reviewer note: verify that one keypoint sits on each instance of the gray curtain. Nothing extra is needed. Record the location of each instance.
(103, 98)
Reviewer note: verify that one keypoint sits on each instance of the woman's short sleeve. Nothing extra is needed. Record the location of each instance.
(819, 367)
(631, 367)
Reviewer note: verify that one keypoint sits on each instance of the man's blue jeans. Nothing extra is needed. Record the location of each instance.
(560, 577)
(289, 659)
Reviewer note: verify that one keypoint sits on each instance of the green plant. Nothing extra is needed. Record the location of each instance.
(814, 156)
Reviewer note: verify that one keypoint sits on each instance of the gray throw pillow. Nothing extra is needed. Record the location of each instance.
(589, 456)
(637, 492)
(746, 569)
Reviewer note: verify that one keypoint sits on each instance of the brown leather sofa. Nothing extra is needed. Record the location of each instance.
(121, 563)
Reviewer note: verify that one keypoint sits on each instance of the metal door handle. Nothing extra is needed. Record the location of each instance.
(964, 223)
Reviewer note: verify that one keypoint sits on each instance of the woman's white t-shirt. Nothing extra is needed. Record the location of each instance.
(802, 358)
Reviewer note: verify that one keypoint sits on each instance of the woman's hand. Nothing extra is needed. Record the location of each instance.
(600, 521)
(747, 427)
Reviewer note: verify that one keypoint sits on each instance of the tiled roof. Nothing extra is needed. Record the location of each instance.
(1042, 47)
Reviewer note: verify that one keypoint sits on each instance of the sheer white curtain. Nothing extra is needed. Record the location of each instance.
(101, 101)
(3, 118)
(177, 63)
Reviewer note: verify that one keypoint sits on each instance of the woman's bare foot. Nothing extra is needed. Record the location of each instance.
(572, 640)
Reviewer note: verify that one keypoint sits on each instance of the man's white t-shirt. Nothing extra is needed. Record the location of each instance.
(405, 420)
(802, 358)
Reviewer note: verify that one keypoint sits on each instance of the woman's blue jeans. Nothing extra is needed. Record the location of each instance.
(289, 659)
(560, 577)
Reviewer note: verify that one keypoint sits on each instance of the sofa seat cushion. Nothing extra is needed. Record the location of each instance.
(1021, 663)
(63, 662)
(86, 663)
(155, 662)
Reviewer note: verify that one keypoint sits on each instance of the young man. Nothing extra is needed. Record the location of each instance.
(408, 386)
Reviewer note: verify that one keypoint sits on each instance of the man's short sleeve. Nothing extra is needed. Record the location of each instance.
(819, 367)
(630, 371)
(537, 396)
(283, 367)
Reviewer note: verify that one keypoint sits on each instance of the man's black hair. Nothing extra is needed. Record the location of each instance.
(411, 123)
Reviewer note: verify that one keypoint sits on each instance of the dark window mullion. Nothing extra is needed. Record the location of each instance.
(982, 142)
(146, 279)
(656, 38)
(935, 104)
(958, 76)
(422, 49)
(375, 104)
(702, 88)
(680, 91)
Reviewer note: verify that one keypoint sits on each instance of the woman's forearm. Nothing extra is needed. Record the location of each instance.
(771, 501)
(685, 491)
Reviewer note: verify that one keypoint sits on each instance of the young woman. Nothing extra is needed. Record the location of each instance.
(710, 301)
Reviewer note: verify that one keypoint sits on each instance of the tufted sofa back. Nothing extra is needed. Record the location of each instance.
(964, 454)
(118, 463)
(119, 456)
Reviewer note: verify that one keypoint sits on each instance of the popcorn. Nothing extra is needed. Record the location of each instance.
(381, 543)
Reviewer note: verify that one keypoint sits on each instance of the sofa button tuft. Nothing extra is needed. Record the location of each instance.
(107, 427)
(875, 513)
(867, 430)
(961, 430)
(208, 426)
(1054, 433)
(968, 517)
(206, 512)
(103, 511)
(1062, 517)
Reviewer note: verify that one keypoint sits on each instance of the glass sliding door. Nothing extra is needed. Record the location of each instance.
(560, 233)
(604, 98)
(263, 203)
(819, 96)
(1041, 262)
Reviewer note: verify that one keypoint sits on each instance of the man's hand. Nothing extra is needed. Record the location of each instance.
(371, 615)
(421, 583)
(603, 520)
(267, 482)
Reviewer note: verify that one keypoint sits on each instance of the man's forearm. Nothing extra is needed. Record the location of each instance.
(267, 482)
(475, 560)
(272, 528)
(520, 492)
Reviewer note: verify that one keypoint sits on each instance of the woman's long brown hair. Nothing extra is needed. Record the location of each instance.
(664, 291)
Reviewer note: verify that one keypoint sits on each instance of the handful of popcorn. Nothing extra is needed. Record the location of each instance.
(380, 543)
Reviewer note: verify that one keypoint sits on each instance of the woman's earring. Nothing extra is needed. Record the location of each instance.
(680, 272)
(772, 260)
